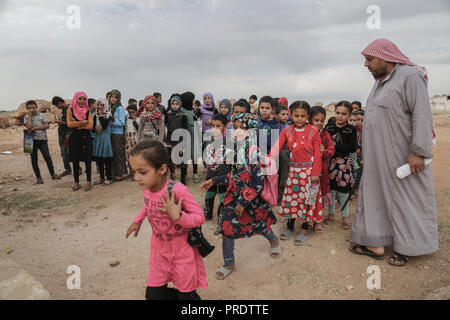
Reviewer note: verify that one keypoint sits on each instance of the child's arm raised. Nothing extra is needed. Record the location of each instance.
(187, 213)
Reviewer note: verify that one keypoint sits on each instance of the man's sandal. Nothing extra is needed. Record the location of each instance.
(224, 271)
(75, 188)
(285, 234)
(399, 260)
(300, 240)
(365, 252)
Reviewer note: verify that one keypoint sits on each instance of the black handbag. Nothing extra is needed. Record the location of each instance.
(195, 237)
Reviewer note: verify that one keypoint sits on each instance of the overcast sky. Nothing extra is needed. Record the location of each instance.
(302, 49)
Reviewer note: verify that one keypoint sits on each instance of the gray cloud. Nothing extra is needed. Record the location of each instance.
(295, 48)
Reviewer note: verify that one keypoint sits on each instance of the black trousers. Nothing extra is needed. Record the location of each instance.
(41, 145)
(105, 166)
(76, 168)
(165, 293)
(291, 222)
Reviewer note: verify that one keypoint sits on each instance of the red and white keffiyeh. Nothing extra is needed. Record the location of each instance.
(388, 51)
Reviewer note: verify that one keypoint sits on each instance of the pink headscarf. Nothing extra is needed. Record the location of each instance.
(388, 51)
(77, 111)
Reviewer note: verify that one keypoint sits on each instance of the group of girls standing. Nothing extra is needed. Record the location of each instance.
(319, 172)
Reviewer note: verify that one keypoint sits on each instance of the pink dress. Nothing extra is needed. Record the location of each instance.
(172, 259)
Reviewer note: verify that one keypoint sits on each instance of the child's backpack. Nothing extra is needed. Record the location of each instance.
(269, 192)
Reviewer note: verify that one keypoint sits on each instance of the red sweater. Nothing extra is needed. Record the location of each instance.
(309, 153)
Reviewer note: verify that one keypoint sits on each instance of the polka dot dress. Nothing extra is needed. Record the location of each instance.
(293, 201)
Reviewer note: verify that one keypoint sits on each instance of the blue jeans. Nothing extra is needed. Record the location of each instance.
(228, 247)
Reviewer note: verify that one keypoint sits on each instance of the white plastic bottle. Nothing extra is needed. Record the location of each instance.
(405, 170)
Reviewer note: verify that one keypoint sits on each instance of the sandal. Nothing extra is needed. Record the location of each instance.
(318, 228)
(399, 261)
(285, 234)
(107, 183)
(300, 240)
(365, 252)
(75, 188)
(224, 271)
(88, 187)
(346, 224)
(276, 251)
(329, 218)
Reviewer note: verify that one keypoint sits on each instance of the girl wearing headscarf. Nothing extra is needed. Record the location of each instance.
(80, 120)
(226, 109)
(151, 123)
(245, 213)
(187, 100)
(102, 152)
(207, 111)
(119, 163)
(176, 119)
(283, 101)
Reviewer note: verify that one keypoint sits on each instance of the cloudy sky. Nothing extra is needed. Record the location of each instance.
(301, 49)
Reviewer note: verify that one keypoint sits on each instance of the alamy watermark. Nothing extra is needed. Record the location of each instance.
(374, 20)
(374, 281)
(74, 280)
(73, 21)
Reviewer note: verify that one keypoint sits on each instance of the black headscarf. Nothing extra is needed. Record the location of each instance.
(187, 100)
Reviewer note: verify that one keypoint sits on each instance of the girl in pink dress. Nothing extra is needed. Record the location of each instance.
(172, 259)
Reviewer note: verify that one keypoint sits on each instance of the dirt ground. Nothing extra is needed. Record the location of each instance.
(48, 228)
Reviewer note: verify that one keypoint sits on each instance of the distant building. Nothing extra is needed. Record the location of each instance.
(440, 103)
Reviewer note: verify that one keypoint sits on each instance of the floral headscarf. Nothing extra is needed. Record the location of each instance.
(106, 109)
(155, 114)
(247, 120)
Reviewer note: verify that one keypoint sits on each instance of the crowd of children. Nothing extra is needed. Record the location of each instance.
(319, 163)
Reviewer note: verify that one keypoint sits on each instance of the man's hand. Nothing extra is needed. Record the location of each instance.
(417, 163)
(314, 179)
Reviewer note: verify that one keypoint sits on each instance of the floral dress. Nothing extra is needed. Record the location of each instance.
(244, 188)
(340, 168)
